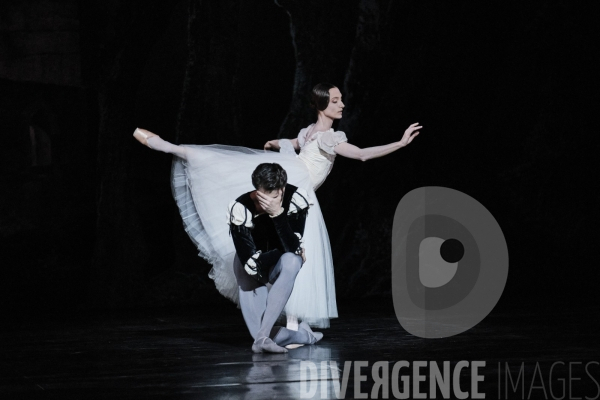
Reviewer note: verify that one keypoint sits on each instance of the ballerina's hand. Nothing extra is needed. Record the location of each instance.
(411, 133)
(271, 205)
(303, 256)
(272, 145)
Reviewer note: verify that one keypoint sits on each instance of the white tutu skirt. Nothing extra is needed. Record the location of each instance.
(211, 177)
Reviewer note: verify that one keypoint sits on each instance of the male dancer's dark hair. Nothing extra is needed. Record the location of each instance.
(269, 177)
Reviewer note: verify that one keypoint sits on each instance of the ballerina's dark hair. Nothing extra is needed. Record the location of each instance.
(319, 99)
(269, 177)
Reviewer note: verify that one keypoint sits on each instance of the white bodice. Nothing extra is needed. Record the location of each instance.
(318, 162)
(317, 152)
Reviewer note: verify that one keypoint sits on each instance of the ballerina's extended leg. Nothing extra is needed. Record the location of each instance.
(155, 142)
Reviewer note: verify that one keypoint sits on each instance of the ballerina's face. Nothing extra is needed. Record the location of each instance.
(335, 107)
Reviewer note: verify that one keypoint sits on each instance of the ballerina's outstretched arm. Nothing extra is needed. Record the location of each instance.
(274, 144)
(154, 141)
(348, 150)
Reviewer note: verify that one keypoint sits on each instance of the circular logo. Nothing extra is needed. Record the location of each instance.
(449, 262)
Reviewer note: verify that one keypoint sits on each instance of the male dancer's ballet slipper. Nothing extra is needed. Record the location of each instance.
(315, 335)
(142, 136)
(266, 345)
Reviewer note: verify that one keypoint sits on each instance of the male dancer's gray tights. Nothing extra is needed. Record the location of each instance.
(262, 307)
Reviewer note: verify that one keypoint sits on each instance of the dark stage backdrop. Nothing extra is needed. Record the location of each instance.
(505, 91)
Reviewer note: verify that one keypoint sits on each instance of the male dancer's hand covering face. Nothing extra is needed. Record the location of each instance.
(271, 201)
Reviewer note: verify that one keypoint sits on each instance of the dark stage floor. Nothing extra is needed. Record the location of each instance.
(206, 355)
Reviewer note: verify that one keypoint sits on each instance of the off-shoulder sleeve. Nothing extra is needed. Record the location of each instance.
(237, 214)
(302, 137)
(328, 140)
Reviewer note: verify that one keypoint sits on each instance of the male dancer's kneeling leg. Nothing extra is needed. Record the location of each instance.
(262, 307)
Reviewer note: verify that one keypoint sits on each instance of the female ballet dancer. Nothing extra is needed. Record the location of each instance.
(206, 178)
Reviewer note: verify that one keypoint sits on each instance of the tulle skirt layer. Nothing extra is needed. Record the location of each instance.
(205, 183)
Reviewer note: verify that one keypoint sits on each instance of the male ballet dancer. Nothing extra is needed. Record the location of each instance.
(267, 226)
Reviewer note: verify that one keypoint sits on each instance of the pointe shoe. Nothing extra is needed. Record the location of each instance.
(143, 135)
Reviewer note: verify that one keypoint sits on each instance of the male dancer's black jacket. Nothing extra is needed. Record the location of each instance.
(260, 240)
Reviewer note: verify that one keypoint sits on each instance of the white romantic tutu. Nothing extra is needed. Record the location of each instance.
(205, 183)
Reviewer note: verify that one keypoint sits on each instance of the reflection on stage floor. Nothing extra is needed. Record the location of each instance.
(200, 354)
